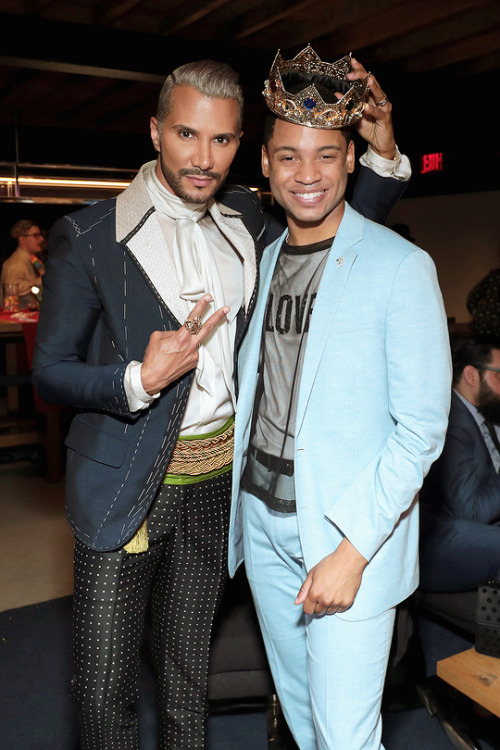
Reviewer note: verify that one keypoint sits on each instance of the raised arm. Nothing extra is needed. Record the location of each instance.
(384, 175)
(78, 359)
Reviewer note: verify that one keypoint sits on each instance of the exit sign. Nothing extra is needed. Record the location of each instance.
(431, 163)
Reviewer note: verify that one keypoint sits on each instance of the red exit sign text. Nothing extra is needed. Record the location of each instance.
(431, 163)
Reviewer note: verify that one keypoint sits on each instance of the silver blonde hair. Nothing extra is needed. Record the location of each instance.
(216, 80)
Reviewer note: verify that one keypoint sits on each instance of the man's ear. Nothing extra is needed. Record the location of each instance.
(351, 157)
(154, 129)
(265, 162)
(470, 376)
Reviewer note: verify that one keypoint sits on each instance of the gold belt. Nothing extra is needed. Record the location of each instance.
(194, 459)
(199, 457)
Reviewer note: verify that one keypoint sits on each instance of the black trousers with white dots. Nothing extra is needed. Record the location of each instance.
(182, 575)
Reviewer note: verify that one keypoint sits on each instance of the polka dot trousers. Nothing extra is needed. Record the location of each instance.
(182, 577)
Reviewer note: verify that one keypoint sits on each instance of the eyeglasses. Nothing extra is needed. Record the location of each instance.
(35, 234)
(486, 367)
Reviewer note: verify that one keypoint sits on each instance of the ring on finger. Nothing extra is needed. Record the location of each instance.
(193, 325)
(382, 102)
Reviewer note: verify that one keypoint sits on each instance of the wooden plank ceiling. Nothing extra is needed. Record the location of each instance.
(75, 66)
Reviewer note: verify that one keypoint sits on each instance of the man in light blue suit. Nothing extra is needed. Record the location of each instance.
(345, 389)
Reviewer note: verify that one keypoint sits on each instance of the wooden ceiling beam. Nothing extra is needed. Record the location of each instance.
(99, 49)
(463, 50)
(98, 93)
(481, 65)
(195, 12)
(40, 98)
(231, 13)
(310, 21)
(112, 12)
(266, 15)
(64, 12)
(392, 21)
(37, 6)
(76, 69)
(438, 35)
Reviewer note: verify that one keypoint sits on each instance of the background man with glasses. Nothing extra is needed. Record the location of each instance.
(24, 267)
(460, 499)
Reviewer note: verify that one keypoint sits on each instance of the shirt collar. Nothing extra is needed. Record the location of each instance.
(473, 409)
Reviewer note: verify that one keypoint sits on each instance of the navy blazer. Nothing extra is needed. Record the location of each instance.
(102, 299)
(463, 483)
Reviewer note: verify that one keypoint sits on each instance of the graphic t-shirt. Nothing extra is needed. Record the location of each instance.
(289, 308)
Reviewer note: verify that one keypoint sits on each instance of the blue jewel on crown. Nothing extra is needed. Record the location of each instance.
(309, 103)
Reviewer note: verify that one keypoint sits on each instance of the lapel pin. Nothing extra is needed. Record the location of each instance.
(340, 261)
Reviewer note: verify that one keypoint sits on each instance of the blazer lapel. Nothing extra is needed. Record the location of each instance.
(337, 270)
(137, 227)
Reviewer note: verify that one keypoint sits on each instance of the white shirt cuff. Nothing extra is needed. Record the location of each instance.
(136, 395)
(399, 168)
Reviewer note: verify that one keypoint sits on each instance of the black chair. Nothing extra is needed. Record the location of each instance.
(239, 675)
(457, 609)
(238, 664)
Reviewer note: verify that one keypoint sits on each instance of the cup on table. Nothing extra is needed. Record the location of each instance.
(10, 297)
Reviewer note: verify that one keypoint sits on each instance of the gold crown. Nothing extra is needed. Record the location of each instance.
(307, 107)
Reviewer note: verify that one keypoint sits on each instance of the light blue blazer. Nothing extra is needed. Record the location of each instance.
(372, 409)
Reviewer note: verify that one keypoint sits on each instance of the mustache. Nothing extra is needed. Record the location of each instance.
(201, 173)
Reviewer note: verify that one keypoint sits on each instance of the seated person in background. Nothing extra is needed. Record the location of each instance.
(24, 267)
(460, 498)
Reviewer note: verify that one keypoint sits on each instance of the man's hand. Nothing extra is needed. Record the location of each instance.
(376, 124)
(170, 354)
(331, 586)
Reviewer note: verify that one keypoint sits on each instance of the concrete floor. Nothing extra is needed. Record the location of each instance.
(36, 544)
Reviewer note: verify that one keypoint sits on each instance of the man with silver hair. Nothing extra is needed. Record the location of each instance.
(146, 300)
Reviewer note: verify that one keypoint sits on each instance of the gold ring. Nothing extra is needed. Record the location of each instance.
(193, 325)
(382, 102)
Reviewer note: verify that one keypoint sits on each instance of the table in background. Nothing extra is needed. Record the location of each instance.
(17, 333)
(475, 675)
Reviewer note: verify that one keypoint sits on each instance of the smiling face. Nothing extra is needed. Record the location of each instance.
(197, 143)
(307, 170)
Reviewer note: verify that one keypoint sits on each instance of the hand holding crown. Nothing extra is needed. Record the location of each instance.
(375, 126)
(361, 102)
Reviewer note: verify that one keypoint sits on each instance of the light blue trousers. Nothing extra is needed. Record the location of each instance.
(328, 671)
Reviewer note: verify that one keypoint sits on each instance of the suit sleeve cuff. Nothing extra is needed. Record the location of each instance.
(399, 168)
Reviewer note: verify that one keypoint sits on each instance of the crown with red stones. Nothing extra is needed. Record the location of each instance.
(307, 107)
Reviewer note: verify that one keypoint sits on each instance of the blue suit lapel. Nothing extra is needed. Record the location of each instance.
(335, 276)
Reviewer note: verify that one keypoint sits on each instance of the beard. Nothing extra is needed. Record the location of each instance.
(174, 180)
(488, 403)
